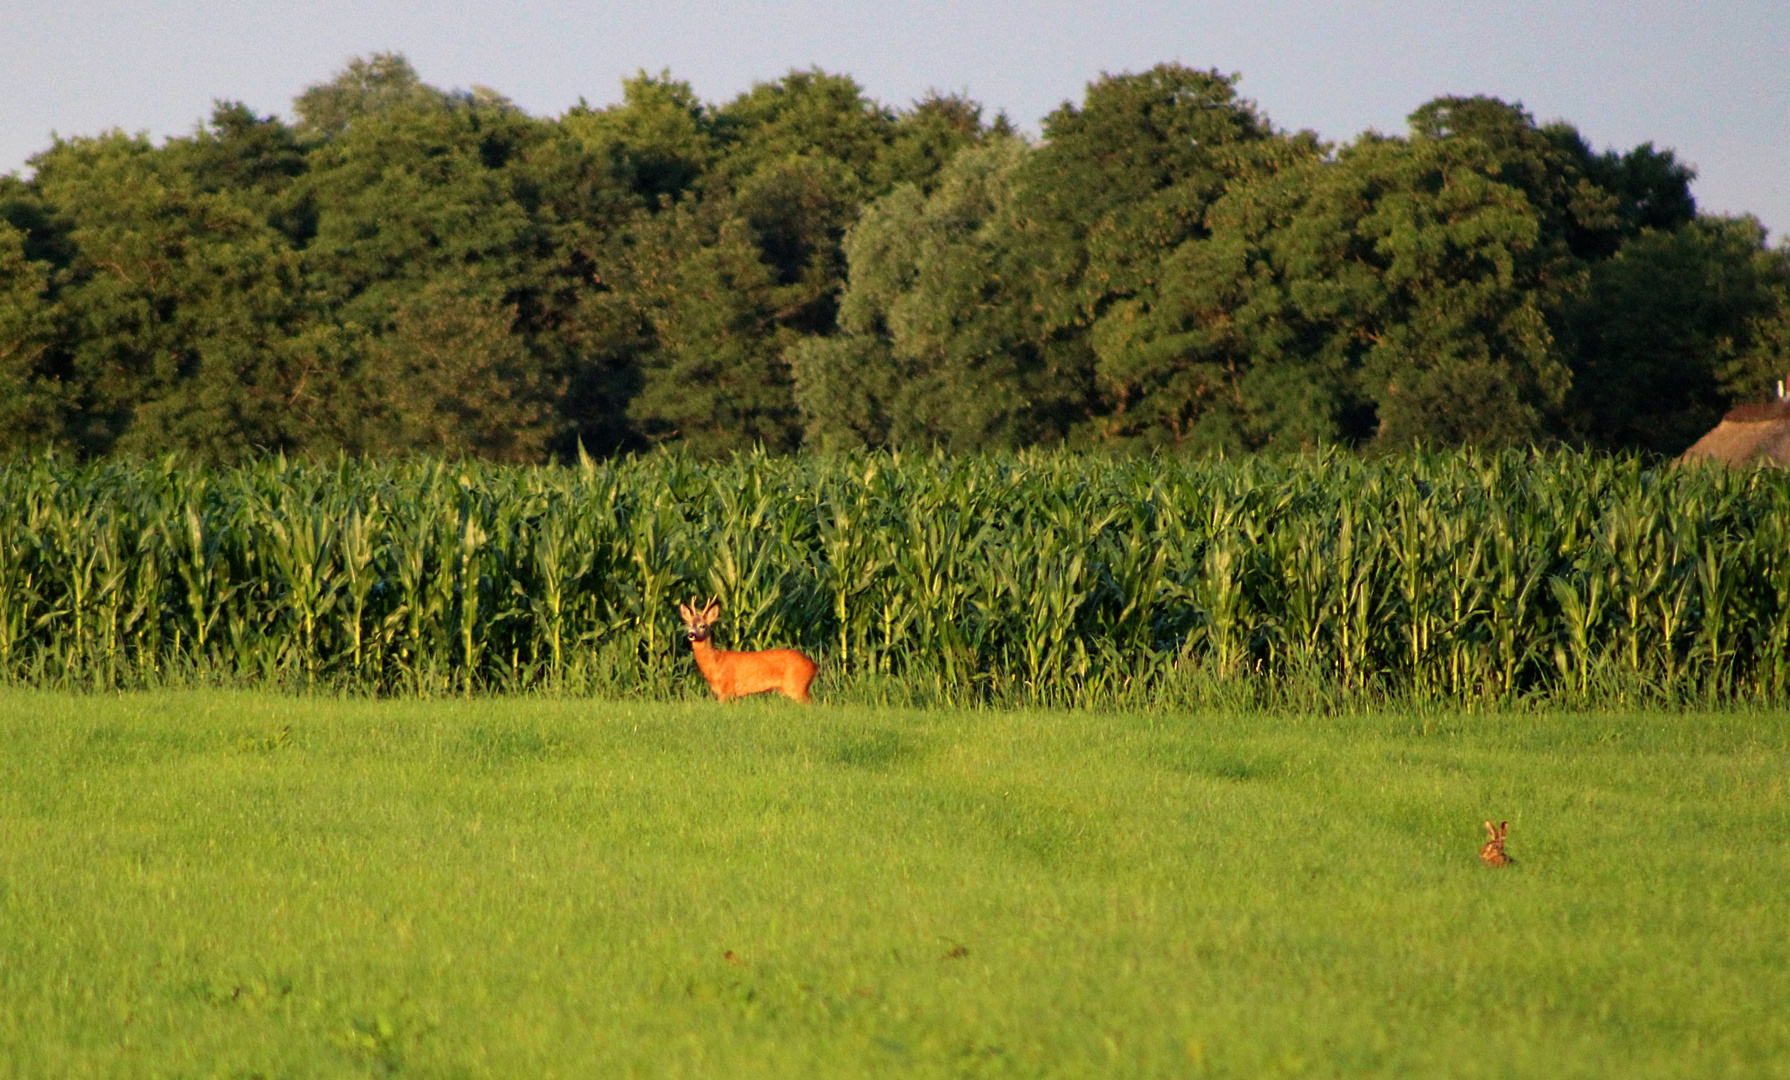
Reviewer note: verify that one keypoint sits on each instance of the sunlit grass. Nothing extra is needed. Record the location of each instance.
(207, 884)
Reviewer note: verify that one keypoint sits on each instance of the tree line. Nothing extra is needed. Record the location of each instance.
(402, 268)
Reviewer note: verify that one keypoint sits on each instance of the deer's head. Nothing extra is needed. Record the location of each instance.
(698, 621)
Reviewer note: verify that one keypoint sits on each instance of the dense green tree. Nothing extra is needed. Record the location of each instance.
(930, 353)
(1682, 316)
(753, 262)
(930, 134)
(571, 308)
(1675, 327)
(405, 267)
(450, 377)
(661, 138)
(414, 192)
(1405, 291)
(1210, 353)
(805, 113)
(1651, 187)
(712, 376)
(1463, 264)
(368, 86)
(181, 313)
(1120, 182)
(453, 200)
(30, 414)
(240, 152)
(1122, 179)
(233, 291)
(989, 290)
(253, 159)
(1550, 164)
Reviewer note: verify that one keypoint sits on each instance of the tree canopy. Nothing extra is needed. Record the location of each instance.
(405, 268)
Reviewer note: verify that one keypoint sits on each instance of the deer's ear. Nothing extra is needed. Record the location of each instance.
(713, 611)
(685, 613)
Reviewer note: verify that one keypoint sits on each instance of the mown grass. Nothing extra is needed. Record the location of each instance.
(210, 883)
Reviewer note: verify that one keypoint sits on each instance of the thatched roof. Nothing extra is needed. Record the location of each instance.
(1748, 435)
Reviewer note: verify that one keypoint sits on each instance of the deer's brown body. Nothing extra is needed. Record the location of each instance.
(1492, 854)
(736, 674)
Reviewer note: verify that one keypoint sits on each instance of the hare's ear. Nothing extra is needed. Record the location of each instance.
(1503, 829)
(1491, 830)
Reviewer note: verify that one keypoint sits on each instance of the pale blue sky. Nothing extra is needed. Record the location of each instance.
(1710, 80)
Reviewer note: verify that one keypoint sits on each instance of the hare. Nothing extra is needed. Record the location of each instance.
(1492, 854)
(736, 674)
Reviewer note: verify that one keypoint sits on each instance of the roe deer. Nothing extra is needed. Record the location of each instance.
(736, 674)
(1492, 854)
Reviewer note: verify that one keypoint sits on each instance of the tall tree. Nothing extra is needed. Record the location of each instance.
(465, 203)
(405, 267)
(30, 412)
(931, 354)
(368, 86)
(1674, 328)
(181, 311)
(449, 377)
(712, 376)
(991, 291)
(1206, 354)
(1404, 291)
(752, 261)
(1122, 179)
(661, 138)
(1463, 238)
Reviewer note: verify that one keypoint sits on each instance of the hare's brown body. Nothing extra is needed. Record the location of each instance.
(736, 674)
(1492, 854)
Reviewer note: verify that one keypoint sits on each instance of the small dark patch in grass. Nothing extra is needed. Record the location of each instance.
(270, 743)
(1424, 823)
(877, 750)
(1034, 833)
(1438, 763)
(252, 994)
(1216, 762)
(507, 746)
(1029, 830)
(118, 744)
(386, 1038)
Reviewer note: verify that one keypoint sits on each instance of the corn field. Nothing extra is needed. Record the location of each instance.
(1048, 578)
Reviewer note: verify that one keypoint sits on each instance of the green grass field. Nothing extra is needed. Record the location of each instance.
(214, 884)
